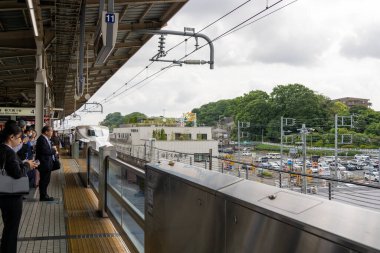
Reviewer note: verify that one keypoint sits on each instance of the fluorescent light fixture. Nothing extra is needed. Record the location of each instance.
(33, 17)
(34, 22)
(30, 3)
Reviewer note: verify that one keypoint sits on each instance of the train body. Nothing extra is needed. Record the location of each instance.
(87, 133)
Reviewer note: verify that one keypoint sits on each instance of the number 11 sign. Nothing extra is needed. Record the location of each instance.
(110, 18)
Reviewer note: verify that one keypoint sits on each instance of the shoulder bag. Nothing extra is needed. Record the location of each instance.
(12, 186)
(56, 164)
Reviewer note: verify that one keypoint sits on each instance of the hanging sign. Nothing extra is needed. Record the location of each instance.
(17, 111)
(110, 18)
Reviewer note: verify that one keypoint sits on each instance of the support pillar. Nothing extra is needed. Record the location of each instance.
(41, 82)
(39, 118)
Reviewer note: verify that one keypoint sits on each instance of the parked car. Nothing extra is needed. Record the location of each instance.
(371, 176)
(347, 175)
(264, 165)
(340, 167)
(368, 167)
(324, 169)
(274, 165)
(314, 169)
(350, 167)
(246, 153)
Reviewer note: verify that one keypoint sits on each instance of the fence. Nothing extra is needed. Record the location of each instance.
(352, 191)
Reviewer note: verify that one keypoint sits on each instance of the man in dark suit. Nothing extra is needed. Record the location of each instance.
(45, 153)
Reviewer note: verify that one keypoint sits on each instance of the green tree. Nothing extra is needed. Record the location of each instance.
(255, 108)
(112, 120)
(340, 109)
(208, 114)
(134, 117)
(373, 129)
(298, 101)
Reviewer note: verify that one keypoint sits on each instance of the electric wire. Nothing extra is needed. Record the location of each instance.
(217, 38)
(207, 26)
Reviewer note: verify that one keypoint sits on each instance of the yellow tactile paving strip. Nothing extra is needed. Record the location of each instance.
(99, 235)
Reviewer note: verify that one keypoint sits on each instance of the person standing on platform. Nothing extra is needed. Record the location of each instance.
(55, 141)
(45, 153)
(11, 204)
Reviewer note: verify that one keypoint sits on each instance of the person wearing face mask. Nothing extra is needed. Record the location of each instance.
(25, 153)
(11, 204)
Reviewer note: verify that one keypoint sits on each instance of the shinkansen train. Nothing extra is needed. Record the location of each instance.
(88, 133)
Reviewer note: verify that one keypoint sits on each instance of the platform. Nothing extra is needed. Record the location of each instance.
(68, 224)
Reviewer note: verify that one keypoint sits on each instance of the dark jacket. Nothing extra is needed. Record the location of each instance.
(13, 164)
(44, 153)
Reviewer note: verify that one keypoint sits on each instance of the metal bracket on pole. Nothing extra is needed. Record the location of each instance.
(86, 109)
(184, 33)
(343, 119)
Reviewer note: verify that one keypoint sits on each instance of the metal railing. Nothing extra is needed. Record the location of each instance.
(125, 200)
(353, 190)
(93, 169)
(120, 185)
(120, 189)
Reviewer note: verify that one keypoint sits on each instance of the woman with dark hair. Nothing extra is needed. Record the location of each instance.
(11, 204)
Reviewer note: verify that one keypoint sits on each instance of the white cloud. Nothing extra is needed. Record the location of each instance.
(329, 46)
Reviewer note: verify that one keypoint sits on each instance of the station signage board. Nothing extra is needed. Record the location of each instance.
(17, 111)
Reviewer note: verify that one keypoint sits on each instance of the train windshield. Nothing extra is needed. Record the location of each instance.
(95, 132)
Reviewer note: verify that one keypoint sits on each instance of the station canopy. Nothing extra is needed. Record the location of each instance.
(58, 27)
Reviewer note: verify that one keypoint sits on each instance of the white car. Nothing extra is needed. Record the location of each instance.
(314, 169)
(371, 176)
(246, 153)
(274, 165)
(324, 169)
(340, 166)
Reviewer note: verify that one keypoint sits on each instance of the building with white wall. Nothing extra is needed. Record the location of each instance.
(190, 140)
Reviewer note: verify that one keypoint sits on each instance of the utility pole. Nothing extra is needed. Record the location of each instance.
(241, 125)
(336, 147)
(342, 123)
(281, 147)
(291, 122)
(238, 148)
(304, 131)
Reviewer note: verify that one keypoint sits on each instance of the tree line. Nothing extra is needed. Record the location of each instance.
(299, 105)
(295, 102)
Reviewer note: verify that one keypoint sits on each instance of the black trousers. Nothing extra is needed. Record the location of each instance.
(44, 182)
(11, 209)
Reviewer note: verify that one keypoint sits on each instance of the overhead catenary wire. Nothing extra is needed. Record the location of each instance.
(217, 38)
(207, 26)
(229, 31)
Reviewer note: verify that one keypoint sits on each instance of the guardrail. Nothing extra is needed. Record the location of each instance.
(341, 187)
(125, 200)
(93, 169)
(119, 187)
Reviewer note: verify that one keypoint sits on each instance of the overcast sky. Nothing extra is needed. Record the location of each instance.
(329, 46)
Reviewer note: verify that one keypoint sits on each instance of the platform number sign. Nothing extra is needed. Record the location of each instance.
(110, 18)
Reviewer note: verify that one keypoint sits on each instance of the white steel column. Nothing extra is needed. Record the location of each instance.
(40, 81)
(39, 119)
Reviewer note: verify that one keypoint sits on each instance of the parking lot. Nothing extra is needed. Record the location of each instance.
(361, 168)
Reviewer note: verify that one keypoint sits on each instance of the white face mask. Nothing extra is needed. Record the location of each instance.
(18, 147)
